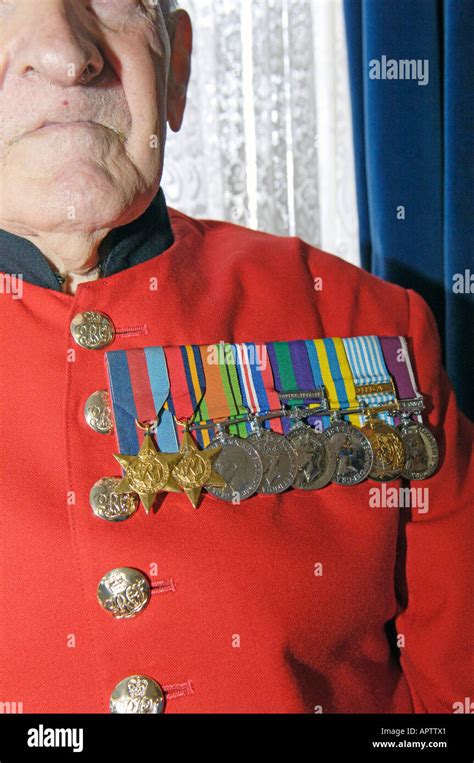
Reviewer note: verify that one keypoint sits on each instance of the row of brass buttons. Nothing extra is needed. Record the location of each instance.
(124, 592)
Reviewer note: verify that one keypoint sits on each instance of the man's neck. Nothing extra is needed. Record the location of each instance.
(75, 252)
(41, 260)
(74, 257)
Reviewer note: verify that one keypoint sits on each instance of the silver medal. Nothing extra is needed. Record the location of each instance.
(421, 450)
(353, 452)
(316, 460)
(279, 459)
(240, 466)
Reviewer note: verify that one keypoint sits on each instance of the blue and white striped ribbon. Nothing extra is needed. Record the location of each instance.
(368, 367)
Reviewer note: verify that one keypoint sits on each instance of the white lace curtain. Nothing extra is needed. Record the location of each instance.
(267, 138)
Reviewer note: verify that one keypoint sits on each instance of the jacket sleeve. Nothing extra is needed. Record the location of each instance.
(435, 570)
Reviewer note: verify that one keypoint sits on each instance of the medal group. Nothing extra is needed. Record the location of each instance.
(240, 419)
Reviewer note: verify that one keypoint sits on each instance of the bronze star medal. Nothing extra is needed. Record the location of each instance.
(148, 473)
(195, 471)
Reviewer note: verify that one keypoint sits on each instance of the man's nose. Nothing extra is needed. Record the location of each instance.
(60, 48)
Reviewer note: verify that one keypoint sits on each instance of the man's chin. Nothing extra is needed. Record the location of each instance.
(79, 198)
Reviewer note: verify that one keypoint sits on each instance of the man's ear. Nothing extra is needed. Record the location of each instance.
(180, 67)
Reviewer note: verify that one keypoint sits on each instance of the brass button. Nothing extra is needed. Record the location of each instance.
(98, 412)
(124, 592)
(92, 330)
(108, 504)
(137, 694)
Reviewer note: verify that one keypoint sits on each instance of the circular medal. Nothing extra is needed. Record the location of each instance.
(316, 461)
(388, 450)
(353, 453)
(240, 466)
(421, 451)
(279, 461)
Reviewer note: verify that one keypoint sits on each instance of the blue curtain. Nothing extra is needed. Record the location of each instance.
(414, 149)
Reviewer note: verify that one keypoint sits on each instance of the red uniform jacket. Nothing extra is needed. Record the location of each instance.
(249, 626)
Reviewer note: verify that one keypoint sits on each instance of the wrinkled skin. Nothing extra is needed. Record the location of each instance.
(108, 77)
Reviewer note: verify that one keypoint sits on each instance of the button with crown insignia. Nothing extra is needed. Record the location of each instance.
(139, 695)
(98, 412)
(92, 330)
(124, 592)
(107, 503)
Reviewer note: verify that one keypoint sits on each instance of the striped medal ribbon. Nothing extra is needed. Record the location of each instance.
(373, 383)
(238, 463)
(260, 380)
(140, 387)
(257, 383)
(330, 368)
(293, 374)
(375, 388)
(397, 359)
(187, 384)
(195, 469)
(223, 398)
(421, 448)
(316, 460)
(315, 364)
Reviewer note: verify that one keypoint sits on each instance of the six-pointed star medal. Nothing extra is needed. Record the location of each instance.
(194, 471)
(148, 473)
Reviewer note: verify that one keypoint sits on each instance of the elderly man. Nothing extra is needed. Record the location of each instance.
(294, 602)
